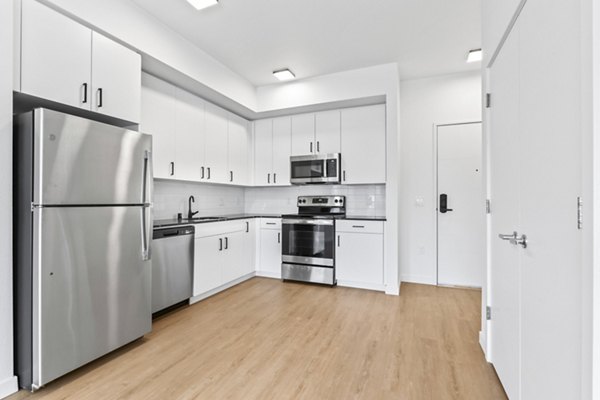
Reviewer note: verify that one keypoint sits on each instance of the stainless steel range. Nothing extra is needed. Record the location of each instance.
(308, 246)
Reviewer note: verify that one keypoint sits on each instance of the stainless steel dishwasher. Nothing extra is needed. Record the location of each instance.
(172, 266)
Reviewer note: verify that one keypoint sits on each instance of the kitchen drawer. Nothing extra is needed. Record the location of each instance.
(270, 223)
(359, 226)
(220, 228)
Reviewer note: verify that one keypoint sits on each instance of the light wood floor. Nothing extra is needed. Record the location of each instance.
(265, 339)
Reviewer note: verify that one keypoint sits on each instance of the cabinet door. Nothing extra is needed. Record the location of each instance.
(282, 144)
(189, 130)
(328, 132)
(238, 156)
(207, 264)
(270, 252)
(233, 261)
(56, 56)
(247, 265)
(303, 135)
(359, 258)
(158, 114)
(216, 144)
(263, 152)
(116, 79)
(363, 145)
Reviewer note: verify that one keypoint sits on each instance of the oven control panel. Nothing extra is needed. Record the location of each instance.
(321, 201)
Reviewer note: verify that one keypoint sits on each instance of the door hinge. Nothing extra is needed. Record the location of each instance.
(488, 313)
(579, 213)
(488, 100)
(488, 206)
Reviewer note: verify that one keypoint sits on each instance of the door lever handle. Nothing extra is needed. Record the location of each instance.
(515, 239)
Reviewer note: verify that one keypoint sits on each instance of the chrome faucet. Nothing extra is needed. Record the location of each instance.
(190, 213)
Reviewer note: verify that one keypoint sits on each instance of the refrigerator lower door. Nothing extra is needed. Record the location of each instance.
(91, 285)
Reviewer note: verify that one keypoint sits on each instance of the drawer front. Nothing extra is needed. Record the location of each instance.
(219, 228)
(270, 223)
(358, 226)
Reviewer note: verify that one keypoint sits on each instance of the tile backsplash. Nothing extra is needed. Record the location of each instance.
(171, 197)
(360, 200)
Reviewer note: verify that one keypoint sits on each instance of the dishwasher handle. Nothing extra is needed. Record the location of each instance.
(164, 233)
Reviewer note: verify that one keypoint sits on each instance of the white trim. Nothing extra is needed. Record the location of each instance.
(392, 290)
(268, 274)
(419, 279)
(8, 386)
(362, 285)
(221, 288)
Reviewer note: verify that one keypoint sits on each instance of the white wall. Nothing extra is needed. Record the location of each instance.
(381, 80)
(425, 102)
(8, 382)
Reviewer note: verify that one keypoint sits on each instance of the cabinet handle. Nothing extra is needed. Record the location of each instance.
(270, 223)
(268, 178)
(208, 169)
(344, 175)
(202, 177)
(247, 226)
(220, 244)
(274, 177)
(338, 240)
(100, 97)
(278, 237)
(231, 177)
(311, 147)
(358, 226)
(226, 243)
(85, 87)
(172, 168)
(318, 147)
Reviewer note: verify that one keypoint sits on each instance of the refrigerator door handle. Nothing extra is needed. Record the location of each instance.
(147, 183)
(147, 179)
(146, 232)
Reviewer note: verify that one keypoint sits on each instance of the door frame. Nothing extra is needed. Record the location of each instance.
(436, 127)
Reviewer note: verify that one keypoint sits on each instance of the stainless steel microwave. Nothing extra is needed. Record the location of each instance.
(318, 168)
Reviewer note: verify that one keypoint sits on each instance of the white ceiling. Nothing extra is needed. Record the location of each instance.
(315, 37)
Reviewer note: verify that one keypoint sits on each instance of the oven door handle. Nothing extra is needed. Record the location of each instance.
(327, 222)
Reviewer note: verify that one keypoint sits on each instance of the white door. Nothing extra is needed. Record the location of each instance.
(263, 151)
(216, 144)
(189, 130)
(303, 134)
(116, 79)
(328, 132)
(505, 176)
(270, 252)
(282, 144)
(363, 145)
(56, 56)
(461, 210)
(158, 114)
(238, 145)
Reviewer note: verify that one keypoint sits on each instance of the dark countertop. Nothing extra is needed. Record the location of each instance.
(174, 222)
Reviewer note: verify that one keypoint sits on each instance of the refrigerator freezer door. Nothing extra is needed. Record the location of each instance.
(78, 161)
(92, 289)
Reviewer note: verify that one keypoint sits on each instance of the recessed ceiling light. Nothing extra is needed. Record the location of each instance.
(474, 56)
(202, 4)
(284, 74)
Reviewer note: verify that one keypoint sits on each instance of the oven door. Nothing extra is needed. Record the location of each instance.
(308, 241)
(315, 169)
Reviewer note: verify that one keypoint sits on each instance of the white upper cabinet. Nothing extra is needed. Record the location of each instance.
(303, 135)
(158, 114)
(316, 133)
(56, 59)
(263, 152)
(363, 145)
(215, 159)
(328, 132)
(66, 62)
(282, 140)
(239, 150)
(116, 79)
(189, 131)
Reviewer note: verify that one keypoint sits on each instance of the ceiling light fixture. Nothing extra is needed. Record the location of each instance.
(474, 56)
(202, 4)
(284, 74)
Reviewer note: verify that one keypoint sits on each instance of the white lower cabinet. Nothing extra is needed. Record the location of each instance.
(269, 260)
(359, 254)
(223, 253)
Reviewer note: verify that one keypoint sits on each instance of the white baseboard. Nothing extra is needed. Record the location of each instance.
(392, 290)
(226, 286)
(360, 285)
(268, 274)
(8, 386)
(483, 342)
(420, 279)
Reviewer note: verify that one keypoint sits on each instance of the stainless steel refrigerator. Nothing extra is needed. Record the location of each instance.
(83, 224)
